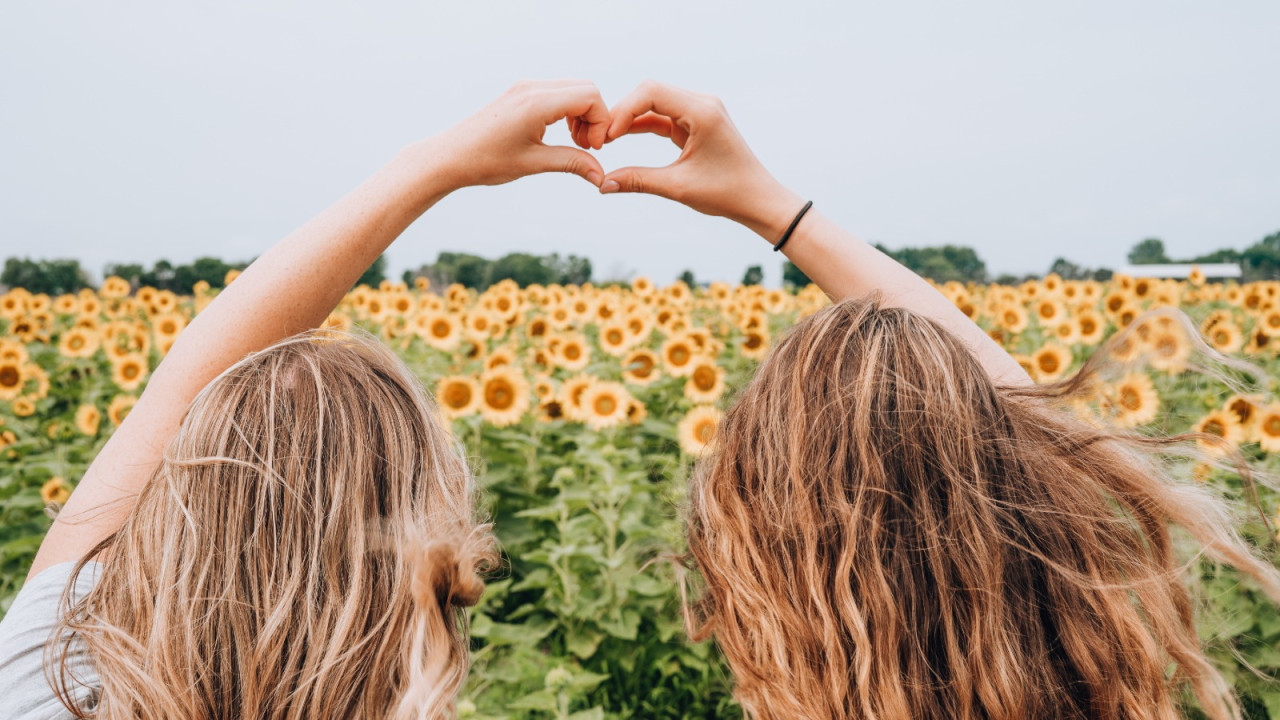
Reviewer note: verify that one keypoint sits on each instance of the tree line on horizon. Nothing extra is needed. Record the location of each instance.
(944, 263)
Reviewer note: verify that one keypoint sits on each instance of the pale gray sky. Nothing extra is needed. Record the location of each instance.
(138, 130)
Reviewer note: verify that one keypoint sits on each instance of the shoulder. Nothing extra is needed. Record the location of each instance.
(25, 631)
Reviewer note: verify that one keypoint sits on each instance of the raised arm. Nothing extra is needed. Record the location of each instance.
(717, 174)
(295, 284)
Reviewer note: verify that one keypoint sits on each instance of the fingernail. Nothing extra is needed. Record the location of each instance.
(594, 178)
(610, 186)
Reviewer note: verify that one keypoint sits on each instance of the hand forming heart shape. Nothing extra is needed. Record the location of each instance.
(716, 173)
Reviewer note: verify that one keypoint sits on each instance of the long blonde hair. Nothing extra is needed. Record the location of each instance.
(304, 550)
(883, 533)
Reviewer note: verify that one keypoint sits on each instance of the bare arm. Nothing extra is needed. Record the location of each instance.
(717, 174)
(295, 284)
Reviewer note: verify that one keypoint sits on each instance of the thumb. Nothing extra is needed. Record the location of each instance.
(650, 180)
(558, 158)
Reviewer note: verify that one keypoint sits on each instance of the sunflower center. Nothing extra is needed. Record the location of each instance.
(605, 405)
(499, 394)
(572, 352)
(704, 430)
(614, 337)
(1213, 427)
(753, 341)
(704, 378)
(644, 366)
(75, 342)
(1130, 399)
(441, 328)
(9, 376)
(679, 355)
(1049, 363)
(1272, 426)
(129, 372)
(458, 395)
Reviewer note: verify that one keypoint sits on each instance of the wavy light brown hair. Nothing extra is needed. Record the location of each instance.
(884, 533)
(302, 551)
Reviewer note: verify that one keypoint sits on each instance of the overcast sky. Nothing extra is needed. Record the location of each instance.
(131, 131)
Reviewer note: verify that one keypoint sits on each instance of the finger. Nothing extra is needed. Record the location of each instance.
(580, 101)
(575, 130)
(560, 158)
(650, 96)
(660, 125)
(663, 181)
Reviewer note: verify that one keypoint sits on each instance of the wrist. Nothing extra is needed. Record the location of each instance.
(770, 210)
(428, 165)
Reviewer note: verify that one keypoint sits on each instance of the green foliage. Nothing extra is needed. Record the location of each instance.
(941, 264)
(687, 278)
(794, 276)
(1148, 252)
(53, 277)
(478, 273)
(164, 275)
(753, 276)
(375, 273)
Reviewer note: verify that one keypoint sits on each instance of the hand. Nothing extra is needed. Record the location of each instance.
(716, 172)
(503, 142)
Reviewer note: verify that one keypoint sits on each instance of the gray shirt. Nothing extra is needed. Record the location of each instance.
(25, 693)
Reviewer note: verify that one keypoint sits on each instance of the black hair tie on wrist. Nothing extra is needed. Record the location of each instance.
(792, 228)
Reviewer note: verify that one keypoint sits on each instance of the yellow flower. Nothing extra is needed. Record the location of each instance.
(23, 406)
(697, 430)
(1168, 350)
(114, 287)
(1267, 429)
(129, 371)
(87, 419)
(1225, 337)
(572, 352)
(440, 330)
(1090, 327)
(571, 392)
(168, 324)
(1221, 425)
(1245, 411)
(1050, 362)
(755, 343)
(1012, 317)
(640, 367)
(614, 338)
(11, 379)
(54, 491)
(636, 412)
(119, 408)
(705, 383)
(458, 395)
(78, 343)
(505, 394)
(1134, 400)
(605, 404)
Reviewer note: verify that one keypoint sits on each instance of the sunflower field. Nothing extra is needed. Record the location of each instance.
(582, 410)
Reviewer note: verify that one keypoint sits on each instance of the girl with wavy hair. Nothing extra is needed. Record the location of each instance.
(281, 528)
(897, 524)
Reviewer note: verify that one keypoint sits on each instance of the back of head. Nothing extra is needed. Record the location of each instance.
(883, 533)
(302, 551)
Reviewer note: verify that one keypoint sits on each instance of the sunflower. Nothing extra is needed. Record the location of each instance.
(705, 383)
(1196, 276)
(168, 325)
(640, 367)
(1245, 410)
(119, 408)
(129, 371)
(572, 352)
(642, 286)
(23, 406)
(54, 491)
(755, 343)
(11, 379)
(1090, 327)
(1168, 350)
(78, 343)
(1012, 317)
(505, 396)
(1065, 333)
(1134, 400)
(697, 430)
(458, 395)
(1222, 425)
(1051, 361)
(605, 404)
(636, 412)
(1226, 337)
(498, 358)
(615, 339)
(1049, 312)
(87, 419)
(571, 392)
(544, 388)
(440, 330)
(1267, 429)
(678, 354)
(114, 287)
(1269, 322)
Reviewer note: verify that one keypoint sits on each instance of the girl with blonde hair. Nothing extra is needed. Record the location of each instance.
(896, 523)
(281, 528)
